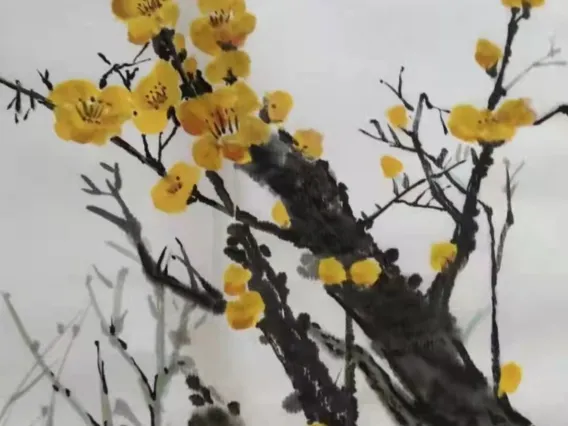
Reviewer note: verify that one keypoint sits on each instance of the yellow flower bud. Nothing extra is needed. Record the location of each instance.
(441, 254)
(235, 279)
(246, 311)
(331, 271)
(511, 376)
(280, 215)
(365, 272)
(487, 54)
(397, 116)
(391, 166)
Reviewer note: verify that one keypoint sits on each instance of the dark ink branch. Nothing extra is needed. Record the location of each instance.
(435, 187)
(207, 297)
(320, 398)
(496, 253)
(420, 343)
(368, 221)
(402, 408)
(466, 229)
(156, 164)
(562, 109)
(127, 71)
(350, 385)
(398, 90)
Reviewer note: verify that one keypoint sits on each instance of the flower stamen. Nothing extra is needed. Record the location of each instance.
(175, 186)
(148, 7)
(91, 111)
(220, 17)
(157, 96)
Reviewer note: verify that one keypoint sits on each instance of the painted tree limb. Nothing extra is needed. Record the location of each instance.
(419, 341)
(319, 396)
(400, 405)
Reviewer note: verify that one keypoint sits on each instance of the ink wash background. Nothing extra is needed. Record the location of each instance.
(330, 55)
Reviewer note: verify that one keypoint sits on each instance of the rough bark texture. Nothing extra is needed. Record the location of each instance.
(418, 339)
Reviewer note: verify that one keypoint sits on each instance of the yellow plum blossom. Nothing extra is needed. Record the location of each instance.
(172, 191)
(487, 54)
(464, 122)
(516, 112)
(153, 96)
(280, 214)
(331, 271)
(391, 166)
(491, 129)
(519, 3)
(225, 26)
(145, 18)
(309, 142)
(441, 254)
(278, 105)
(85, 114)
(236, 279)
(471, 124)
(225, 124)
(245, 312)
(365, 272)
(233, 63)
(397, 116)
(511, 376)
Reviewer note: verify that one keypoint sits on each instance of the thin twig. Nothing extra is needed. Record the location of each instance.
(160, 349)
(369, 220)
(164, 144)
(85, 416)
(350, 385)
(435, 188)
(398, 90)
(121, 348)
(72, 340)
(22, 388)
(106, 411)
(495, 346)
(207, 298)
(400, 406)
(496, 259)
(541, 62)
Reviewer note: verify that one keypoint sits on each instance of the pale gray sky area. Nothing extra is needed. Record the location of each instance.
(330, 54)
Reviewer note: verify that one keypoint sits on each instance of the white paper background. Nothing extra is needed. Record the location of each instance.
(330, 55)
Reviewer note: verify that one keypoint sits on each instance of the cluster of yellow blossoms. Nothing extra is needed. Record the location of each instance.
(246, 310)
(483, 125)
(471, 124)
(226, 120)
(364, 272)
(367, 272)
